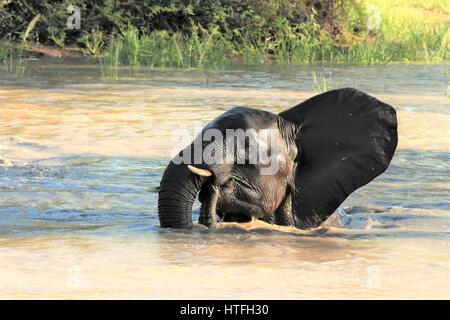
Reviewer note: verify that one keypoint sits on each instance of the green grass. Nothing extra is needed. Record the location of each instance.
(13, 66)
(93, 42)
(204, 48)
(319, 85)
(408, 31)
(4, 53)
(415, 30)
(11, 61)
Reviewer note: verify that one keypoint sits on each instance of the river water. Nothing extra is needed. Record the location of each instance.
(80, 155)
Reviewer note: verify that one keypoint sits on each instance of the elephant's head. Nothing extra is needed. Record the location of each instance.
(294, 168)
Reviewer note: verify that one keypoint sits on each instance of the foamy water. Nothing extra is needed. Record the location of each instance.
(80, 155)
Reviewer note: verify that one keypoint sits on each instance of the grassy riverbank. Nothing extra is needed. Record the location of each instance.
(406, 31)
(198, 34)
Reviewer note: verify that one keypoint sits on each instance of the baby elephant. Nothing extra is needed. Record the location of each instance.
(293, 169)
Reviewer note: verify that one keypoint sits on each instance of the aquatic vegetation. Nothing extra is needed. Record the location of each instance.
(13, 63)
(304, 43)
(110, 60)
(129, 47)
(4, 53)
(202, 48)
(13, 66)
(93, 42)
(319, 85)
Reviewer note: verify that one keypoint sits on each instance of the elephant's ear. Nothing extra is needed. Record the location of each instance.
(346, 139)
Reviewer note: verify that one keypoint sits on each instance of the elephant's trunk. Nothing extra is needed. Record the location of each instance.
(178, 190)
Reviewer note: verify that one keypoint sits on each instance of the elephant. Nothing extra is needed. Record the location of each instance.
(324, 149)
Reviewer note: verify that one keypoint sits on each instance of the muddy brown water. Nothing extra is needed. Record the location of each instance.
(80, 153)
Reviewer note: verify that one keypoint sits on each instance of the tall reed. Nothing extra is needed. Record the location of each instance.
(160, 49)
(13, 63)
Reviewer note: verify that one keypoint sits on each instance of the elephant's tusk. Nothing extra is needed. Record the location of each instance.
(200, 172)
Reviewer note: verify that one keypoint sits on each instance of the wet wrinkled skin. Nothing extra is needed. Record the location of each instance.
(327, 147)
(238, 190)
